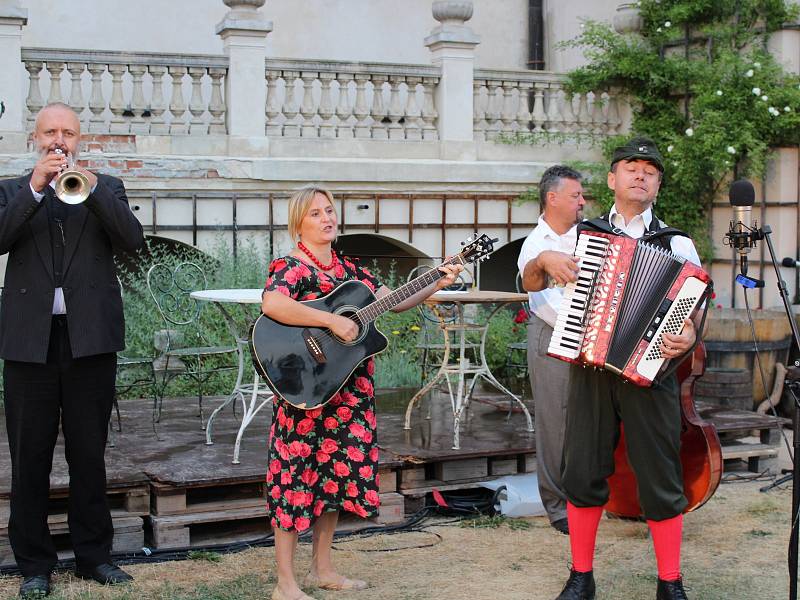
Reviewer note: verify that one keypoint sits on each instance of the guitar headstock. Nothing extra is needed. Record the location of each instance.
(477, 248)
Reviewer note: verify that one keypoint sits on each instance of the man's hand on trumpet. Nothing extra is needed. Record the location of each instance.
(50, 164)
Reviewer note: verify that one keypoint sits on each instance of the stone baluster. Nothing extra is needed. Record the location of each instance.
(34, 100)
(326, 108)
(273, 110)
(55, 69)
(290, 106)
(479, 124)
(308, 109)
(117, 103)
(158, 125)
(413, 112)
(76, 100)
(614, 119)
(196, 105)
(344, 110)
(361, 109)
(396, 111)
(493, 110)
(538, 115)
(523, 110)
(599, 119)
(97, 104)
(508, 115)
(429, 114)
(583, 119)
(138, 104)
(554, 118)
(217, 105)
(568, 113)
(379, 131)
(177, 105)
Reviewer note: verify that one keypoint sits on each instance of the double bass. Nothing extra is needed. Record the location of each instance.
(701, 452)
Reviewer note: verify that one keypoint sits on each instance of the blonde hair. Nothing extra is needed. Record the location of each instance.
(299, 203)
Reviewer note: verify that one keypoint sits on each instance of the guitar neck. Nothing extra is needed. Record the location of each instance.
(372, 311)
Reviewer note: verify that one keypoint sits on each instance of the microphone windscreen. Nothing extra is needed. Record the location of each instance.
(789, 262)
(741, 193)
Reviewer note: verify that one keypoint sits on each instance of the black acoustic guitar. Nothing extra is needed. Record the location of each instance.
(307, 366)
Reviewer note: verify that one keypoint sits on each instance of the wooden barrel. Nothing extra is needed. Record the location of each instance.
(727, 387)
(729, 342)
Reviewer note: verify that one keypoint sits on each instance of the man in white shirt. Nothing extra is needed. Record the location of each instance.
(550, 244)
(599, 401)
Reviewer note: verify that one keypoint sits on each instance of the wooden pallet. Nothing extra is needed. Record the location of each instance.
(734, 426)
(416, 480)
(202, 514)
(128, 536)
(128, 504)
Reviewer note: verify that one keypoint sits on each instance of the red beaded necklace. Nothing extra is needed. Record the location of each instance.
(317, 262)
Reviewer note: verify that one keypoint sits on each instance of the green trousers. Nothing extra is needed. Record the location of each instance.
(598, 402)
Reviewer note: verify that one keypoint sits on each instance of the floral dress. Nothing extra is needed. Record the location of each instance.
(325, 459)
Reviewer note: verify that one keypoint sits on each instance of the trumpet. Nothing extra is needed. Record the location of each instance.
(72, 186)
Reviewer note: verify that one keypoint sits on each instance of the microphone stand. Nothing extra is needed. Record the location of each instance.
(749, 238)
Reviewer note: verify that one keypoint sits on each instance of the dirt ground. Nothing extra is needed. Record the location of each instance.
(734, 548)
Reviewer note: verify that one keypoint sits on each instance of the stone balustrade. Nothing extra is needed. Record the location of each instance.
(126, 93)
(326, 99)
(507, 103)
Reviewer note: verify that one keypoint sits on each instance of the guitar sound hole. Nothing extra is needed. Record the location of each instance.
(349, 312)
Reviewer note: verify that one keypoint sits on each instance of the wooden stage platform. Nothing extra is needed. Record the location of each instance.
(174, 491)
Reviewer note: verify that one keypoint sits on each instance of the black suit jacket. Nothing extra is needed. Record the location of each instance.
(91, 290)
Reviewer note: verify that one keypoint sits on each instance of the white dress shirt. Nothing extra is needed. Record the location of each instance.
(638, 225)
(544, 304)
(59, 304)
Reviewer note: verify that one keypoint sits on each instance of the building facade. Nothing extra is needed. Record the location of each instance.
(212, 111)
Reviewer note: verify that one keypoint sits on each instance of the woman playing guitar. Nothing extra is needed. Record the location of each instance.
(322, 460)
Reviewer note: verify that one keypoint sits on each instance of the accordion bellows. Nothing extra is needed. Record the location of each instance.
(629, 293)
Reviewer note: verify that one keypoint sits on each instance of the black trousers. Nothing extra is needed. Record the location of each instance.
(598, 401)
(78, 394)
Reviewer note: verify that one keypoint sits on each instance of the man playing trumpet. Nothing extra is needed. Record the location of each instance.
(61, 324)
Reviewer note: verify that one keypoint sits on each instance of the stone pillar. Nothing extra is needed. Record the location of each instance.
(244, 32)
(13, 84)
(452, 45)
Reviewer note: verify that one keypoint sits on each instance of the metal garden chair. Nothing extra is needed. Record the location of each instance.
(186, 350)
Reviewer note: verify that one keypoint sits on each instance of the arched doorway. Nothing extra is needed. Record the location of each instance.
(500, 271)
(388, 254)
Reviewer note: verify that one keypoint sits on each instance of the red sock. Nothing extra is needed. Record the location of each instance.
(667, 543)
(583, 523)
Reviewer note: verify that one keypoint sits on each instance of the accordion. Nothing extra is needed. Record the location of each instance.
(629, 293)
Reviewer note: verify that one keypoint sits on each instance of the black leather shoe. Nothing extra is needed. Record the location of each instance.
(580, 586)
(561, 526)
(107, 574)
(671, 590)
(37, 586)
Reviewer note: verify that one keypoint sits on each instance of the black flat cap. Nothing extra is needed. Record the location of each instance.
(639, 148)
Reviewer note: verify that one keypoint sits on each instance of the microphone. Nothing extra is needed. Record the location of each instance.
(791, 263)
(742, 197)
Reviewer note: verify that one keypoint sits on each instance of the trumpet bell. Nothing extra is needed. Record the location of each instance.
(72, 187)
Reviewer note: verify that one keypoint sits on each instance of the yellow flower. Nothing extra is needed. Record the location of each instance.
(414, 328)
(395, 332)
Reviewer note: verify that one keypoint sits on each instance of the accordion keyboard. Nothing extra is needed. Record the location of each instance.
(570, 325)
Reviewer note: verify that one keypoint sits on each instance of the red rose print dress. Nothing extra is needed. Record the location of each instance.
(324, 459)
